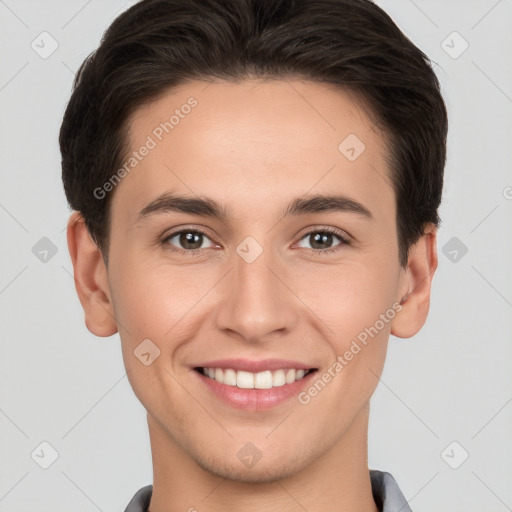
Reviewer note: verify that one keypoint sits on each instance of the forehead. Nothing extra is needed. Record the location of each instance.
(256, 141)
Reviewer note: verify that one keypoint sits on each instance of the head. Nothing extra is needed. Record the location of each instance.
(273, 121)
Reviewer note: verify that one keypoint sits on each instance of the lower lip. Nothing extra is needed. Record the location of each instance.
(255, 399)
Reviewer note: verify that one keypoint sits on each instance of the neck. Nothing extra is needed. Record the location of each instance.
(337, 480)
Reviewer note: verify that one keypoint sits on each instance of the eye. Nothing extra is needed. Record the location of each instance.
(320, 238)
(188, 240)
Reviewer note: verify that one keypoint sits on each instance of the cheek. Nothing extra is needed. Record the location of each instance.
(349, 297)
(150, 298)
(149, 303)
(355, 303)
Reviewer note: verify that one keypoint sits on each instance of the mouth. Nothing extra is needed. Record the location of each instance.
(254, 385)
(266, 379)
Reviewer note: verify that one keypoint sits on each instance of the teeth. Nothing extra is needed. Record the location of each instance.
(261, 380)
(230, 377)
(290, 376)
(278, 378)
(244, 380)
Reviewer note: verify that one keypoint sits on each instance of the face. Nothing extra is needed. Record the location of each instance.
(251, 276)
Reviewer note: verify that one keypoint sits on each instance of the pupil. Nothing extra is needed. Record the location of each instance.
(188, 239)
(321, 238)
(193, 240)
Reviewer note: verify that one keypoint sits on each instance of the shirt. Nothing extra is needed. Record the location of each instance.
(386, 493)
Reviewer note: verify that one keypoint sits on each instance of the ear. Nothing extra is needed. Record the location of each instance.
(416, 280)
(91, 280)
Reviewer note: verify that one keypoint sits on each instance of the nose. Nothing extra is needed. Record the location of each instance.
(258, 303)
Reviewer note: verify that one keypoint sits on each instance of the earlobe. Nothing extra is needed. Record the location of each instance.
(415, 290)
(90, 276)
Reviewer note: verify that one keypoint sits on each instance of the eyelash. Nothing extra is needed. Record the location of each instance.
(196, 252)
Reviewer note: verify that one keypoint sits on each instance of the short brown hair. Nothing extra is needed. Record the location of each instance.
(158, 44)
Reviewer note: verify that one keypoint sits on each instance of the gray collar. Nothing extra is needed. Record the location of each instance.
(386, 493)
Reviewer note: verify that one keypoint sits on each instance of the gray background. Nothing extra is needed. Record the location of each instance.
(450, 383)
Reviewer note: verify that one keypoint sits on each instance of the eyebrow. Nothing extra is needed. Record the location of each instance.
(206, 207)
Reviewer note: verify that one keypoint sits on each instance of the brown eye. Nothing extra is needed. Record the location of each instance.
(319, 240)
(324, 240)
(188, 240)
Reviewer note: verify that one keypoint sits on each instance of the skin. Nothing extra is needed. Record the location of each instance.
(254, 147)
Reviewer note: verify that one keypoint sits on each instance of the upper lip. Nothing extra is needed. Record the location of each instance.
(252, 366)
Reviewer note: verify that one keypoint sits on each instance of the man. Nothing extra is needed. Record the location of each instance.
(255, 186)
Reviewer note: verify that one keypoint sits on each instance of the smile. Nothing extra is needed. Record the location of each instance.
(253, 385)
(262, 380)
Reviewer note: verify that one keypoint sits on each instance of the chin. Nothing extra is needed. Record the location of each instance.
(261, 472)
